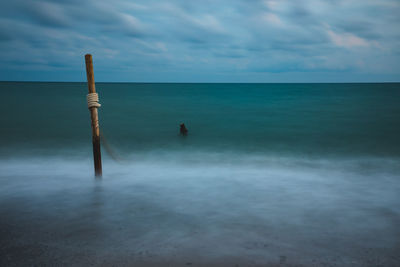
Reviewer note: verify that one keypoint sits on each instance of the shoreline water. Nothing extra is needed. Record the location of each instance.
(276, 175)
(153, 211)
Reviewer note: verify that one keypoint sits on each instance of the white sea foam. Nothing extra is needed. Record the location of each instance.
(216, 204)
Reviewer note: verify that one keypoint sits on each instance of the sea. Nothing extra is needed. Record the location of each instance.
(269, 175)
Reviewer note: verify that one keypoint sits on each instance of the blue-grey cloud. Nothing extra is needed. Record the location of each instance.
(219, 40)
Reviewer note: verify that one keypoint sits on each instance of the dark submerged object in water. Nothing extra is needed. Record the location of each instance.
(183, 130)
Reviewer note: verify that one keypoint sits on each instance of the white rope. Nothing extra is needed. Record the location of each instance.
(93, 100)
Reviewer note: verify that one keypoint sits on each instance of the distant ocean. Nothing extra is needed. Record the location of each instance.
(307, 120)
(269, 173)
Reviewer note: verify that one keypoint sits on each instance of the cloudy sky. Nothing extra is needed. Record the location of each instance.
(201, 40)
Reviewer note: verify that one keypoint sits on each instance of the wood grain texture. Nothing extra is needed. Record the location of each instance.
(94, 118)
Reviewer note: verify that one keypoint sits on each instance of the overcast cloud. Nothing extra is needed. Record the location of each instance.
(201, 41)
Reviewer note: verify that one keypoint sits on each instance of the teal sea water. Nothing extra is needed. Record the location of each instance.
(288, 174)
(343, 120)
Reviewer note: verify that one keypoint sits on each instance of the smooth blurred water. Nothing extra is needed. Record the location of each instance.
(287, 119)
(270, 174)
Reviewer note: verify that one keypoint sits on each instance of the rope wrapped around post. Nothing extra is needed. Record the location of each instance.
(93, 100)
(93, 104)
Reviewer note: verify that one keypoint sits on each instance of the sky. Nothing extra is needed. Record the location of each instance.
(201, 41)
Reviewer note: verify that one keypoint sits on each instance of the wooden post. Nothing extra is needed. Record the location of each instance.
(94, 118)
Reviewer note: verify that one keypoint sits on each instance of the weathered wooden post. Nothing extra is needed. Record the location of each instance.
(93, 104)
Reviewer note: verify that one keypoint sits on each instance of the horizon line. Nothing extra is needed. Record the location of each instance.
(353, 82)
